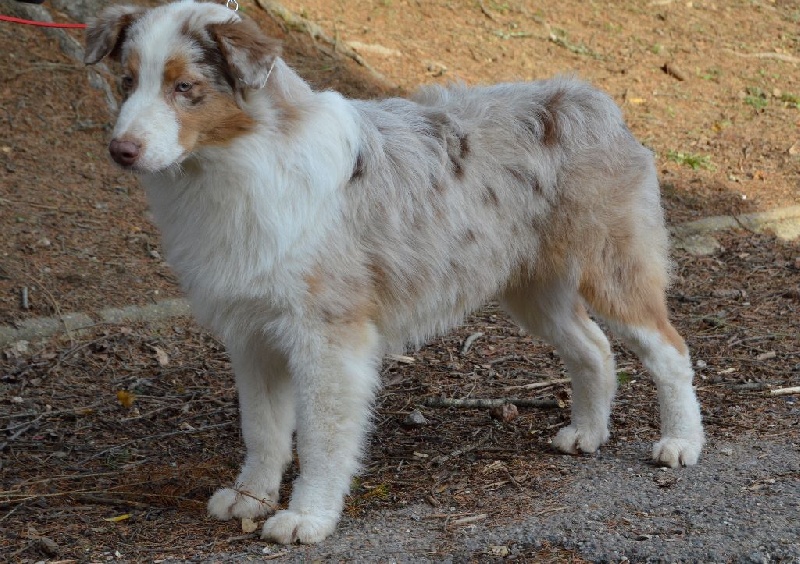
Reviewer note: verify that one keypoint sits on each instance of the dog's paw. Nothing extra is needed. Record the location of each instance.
(289, 527)
(227, 503)
(674, 452)
(574, 440)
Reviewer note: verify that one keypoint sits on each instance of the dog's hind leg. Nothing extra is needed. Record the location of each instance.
(555, 312)
(335, 379)
(625, 284)
(266, 402)
(665, 355)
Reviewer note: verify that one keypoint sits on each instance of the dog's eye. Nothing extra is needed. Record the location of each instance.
(183, 86)
(127, 83)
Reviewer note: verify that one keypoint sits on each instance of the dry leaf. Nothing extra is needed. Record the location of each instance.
(118, 518)
(505, 413)
(248, 525)
(126, 398)
(161, 356)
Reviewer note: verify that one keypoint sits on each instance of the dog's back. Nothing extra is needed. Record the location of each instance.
(486, 188)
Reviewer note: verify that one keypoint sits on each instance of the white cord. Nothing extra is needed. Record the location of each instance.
(269, 72)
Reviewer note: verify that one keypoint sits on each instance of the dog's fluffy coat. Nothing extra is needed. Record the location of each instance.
(314, 233)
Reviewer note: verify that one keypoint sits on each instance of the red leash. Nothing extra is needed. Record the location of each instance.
(42, 24)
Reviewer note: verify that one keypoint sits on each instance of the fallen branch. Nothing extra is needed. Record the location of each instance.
(785, 391)
(480, 403)
(748, 386)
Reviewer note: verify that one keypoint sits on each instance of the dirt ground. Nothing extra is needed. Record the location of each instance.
(114, 438)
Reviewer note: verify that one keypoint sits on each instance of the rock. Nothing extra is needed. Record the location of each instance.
(48, 546)
(415, 419)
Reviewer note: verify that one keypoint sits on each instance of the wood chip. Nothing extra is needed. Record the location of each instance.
(468, 520)
(469, 340)
(402, 359)
(674, 71)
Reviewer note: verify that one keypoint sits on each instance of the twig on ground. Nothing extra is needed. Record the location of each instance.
(447, 515)
(536, 385)
(10, 513)
(785, 391)
(21, 497)
(54, 412)
(248, 536)
(105, 500)
(500, 359)
(156, 438)
(55, 305)
(459, 451)
(262, 500)
(741, 224)
(748, 386)
(485, 11)
(479, 403)
(65, 477)
(783, 57)
(467, 520)
(402, 359)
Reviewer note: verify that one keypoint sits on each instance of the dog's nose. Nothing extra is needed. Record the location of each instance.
(124, 152)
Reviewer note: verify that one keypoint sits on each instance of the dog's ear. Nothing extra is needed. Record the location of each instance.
(105, 34)
(248, 53)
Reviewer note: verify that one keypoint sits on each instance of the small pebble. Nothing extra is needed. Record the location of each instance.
(415, 419)
(48, 546)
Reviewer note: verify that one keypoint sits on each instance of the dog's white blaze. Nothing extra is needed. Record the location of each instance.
(160, 146)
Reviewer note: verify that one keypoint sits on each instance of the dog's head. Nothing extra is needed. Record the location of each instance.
(185, 68)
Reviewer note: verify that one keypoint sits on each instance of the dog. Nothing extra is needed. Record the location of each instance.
(313, 234)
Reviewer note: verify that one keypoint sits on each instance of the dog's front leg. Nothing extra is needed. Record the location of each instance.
(335, 388)
(266, 402)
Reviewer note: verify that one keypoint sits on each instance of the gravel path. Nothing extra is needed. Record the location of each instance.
(740, 504)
